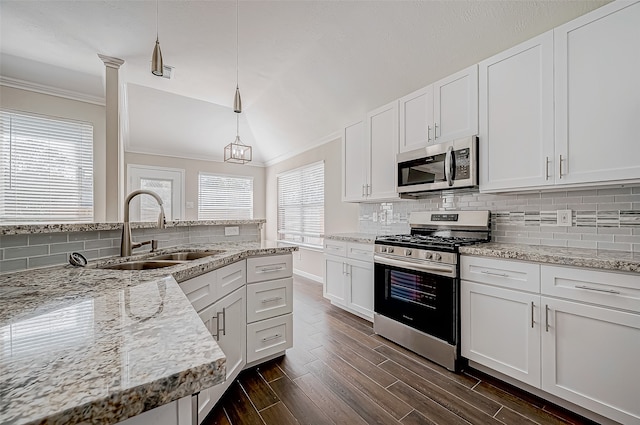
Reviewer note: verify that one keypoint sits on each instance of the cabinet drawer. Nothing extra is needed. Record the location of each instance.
(508, 274)
(201, 290)
(269, 299)
(333, 247)
(268, 337)
(269, 267)
(617, 290)
(231, 277)
(360, 251)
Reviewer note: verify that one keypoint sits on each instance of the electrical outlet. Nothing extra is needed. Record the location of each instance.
(564, 218)
(232, 231)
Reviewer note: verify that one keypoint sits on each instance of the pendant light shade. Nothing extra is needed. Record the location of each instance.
(237, 102)
(157, 67)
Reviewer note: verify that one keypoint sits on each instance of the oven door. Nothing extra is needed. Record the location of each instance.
(422, 296)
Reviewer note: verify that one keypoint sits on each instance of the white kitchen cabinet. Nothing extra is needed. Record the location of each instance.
(574, 334)
(516, 117)
(416, 119)
(178, 412)
(348, 281)
(456, 105)
(597, 96)
(269, 307)
(443, 111)
(354, 163)
(590, 357)
(369, 157)
(381, 132)
(227, 322)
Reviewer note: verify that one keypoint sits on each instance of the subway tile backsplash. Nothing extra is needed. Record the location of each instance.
(600, 219)
(21, 252)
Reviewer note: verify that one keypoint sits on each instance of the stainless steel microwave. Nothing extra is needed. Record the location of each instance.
(448, 165)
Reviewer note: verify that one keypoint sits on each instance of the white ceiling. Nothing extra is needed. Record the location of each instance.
(306, 67)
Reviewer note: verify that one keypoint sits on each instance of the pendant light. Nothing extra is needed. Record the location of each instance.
(237, 151)
(157, 66)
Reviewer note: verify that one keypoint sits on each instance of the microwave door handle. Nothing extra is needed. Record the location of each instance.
(448, 165)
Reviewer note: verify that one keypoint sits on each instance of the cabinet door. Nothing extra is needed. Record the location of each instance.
(227, 321)
(516, 116)
(501, 329)
(354, 162)
(456, 105)
(590, 358)
(598, 95)
(334, 279)
(382, 133)
(360, 286)
(416, 119)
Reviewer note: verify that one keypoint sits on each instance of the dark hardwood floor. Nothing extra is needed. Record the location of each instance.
(340, 372)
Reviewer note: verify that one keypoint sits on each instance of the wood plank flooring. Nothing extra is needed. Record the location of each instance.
(340, 372)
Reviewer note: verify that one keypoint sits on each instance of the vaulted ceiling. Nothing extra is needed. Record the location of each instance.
(306, 67)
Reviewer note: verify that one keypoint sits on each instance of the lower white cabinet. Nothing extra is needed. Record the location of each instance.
(178, 412)
(577, 338)
(348, 280)
(227, 322)
(269, 337)
(501, 330)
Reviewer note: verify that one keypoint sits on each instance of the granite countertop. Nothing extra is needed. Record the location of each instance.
(81, 345)
(20, 229)
(577, 257)
(352, 237)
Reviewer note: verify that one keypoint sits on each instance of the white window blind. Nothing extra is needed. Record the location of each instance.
(301, 205)
(46, 169)
(225, 197)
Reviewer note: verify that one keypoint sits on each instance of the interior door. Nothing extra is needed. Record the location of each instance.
(168, 183)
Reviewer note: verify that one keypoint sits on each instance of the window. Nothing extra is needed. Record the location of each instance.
(301, 205)
(225, 197)
(46, 169)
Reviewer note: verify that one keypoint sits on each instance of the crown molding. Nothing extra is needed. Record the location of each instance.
(51, 91)
(323, 141)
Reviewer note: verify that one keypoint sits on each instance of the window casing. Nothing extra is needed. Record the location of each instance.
(223, 197)
(46, 169)
(301, 205)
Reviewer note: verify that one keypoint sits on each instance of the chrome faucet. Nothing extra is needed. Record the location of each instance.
(126, 245)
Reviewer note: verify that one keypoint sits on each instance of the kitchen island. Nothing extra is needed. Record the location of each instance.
(95, 345)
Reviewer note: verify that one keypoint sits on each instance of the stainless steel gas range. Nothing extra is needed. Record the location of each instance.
(417, 285)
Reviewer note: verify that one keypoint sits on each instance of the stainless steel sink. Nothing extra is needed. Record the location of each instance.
(142, 265)
(186, 256)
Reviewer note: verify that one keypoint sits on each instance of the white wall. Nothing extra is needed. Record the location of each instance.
(43, 104)
(193, 167)
(339, 217)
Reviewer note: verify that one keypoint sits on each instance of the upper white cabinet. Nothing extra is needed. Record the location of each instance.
(354, 163)
(369, 156)
(597, 65)
(561, 109)
(516, 116)
(445, 110)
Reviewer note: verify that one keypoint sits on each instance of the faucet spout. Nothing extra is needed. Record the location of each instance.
(126, 245)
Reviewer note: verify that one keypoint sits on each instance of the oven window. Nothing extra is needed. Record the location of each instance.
(408, 287)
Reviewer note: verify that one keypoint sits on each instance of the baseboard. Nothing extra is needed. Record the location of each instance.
(309, 276)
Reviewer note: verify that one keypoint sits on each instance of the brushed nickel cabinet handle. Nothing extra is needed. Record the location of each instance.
(494, 274)
(546, 171)
(546, 317)
(532, 306)
(268, 300)
(561, 165)
(608, 291)
(435, 131)
(269, 338)
(428, 133)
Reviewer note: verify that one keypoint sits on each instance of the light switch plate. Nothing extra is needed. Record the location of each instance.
(232, 231)
(564, 218)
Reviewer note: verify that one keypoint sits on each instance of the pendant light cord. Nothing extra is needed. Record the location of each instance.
(157, 20)
(237, 40)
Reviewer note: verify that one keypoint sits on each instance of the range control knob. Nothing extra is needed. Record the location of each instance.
(383, 249)
(407, 252)
(437, 256)
(390, 250)
(427, 255)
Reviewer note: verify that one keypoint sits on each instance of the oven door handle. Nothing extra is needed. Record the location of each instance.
(412, 265)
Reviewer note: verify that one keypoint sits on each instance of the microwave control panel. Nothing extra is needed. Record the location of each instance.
(462, 162)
